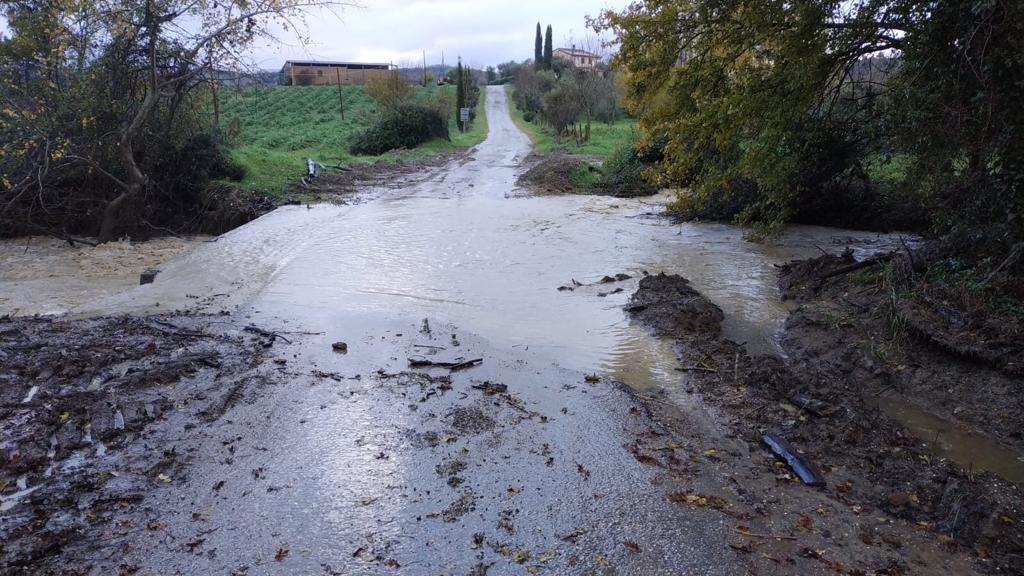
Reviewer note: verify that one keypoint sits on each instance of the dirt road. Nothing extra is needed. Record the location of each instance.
(535, 460)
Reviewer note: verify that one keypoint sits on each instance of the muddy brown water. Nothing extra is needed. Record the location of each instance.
(461, 247)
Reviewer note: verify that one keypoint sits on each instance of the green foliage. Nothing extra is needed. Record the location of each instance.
(406, 126)
(605, 139)
(281, 126)
(389, 91)
(622, 173)
(782, 110)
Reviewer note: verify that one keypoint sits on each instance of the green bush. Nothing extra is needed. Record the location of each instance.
(406, 126)
(623, 172)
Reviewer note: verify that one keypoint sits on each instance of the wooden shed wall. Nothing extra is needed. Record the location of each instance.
(329, 75)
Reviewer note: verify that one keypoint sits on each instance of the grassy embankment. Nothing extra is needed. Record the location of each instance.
(605, 139)
(281, 126)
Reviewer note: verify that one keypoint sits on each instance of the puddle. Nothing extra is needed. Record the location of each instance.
(970, 450)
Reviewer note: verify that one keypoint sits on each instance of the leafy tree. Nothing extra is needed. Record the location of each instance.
(108, 89)
(547, 48)
(492, 74)
(538, 51)
(769, 98)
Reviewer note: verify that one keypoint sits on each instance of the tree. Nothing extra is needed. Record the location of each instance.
(492, 74)
(389, 91)
(547, 49)
(770, 99)
(538, 51)
(460, 92)
(120, 75)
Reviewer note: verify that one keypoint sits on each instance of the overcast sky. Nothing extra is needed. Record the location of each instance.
(398, 31)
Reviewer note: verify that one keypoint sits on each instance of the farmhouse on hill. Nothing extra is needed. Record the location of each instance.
(316, 73)
(579, 58)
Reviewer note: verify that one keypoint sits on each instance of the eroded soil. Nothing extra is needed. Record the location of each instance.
(886, 487)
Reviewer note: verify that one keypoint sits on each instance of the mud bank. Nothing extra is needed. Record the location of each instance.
(92, 414)
(887, 489)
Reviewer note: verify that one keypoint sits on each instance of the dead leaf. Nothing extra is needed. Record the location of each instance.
(282, 553)
(392, 563)
(632, 546)
(805, 523)
(583, 471)
(521, 556)
(700, 500)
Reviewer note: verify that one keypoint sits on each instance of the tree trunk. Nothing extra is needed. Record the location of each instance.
(135, 180)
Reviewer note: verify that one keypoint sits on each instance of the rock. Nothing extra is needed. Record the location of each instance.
(339, 347)
(671, 307)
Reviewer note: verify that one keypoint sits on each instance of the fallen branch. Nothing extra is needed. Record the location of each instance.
(267, 333)
(868, 262)
(1011, 260)
(453, 366)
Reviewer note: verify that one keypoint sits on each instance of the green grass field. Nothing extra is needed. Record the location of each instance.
(604, 138)
(281, 126)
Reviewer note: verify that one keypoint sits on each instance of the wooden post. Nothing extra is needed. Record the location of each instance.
(341, 95)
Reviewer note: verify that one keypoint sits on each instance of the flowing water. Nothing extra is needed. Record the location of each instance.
(462, 245)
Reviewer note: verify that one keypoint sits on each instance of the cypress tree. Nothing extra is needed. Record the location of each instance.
(460, 93)
(547, 48)
(538, 54)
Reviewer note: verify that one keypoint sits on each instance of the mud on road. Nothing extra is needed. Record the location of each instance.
(92, 418)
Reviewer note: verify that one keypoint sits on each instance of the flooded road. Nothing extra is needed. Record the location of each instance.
(357, 465)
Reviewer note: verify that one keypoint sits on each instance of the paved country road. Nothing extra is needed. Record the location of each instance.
(568, 442)
(381, 468)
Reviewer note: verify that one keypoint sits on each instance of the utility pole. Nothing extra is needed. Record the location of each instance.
(424, 68)
(341, 95)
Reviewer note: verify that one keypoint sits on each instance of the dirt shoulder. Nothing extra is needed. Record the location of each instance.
(85, 406)
(890, 505)
(342, 184)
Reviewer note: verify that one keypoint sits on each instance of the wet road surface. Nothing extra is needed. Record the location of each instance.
(356, 464)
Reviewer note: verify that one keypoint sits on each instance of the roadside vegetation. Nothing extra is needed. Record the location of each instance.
(110, 124)
(887, 115)
(605, 140)
(576, 121)
(272, 130)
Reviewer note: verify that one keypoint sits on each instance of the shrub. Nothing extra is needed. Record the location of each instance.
(406, 126)
(623, 173)
(389, 91)
(529, 116)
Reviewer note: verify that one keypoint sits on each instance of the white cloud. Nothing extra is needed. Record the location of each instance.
(398, 31)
